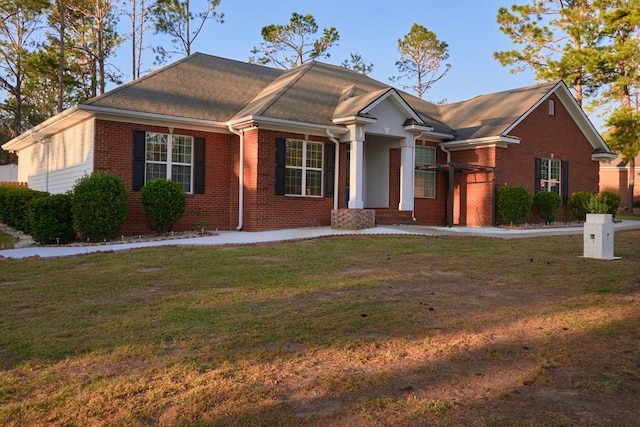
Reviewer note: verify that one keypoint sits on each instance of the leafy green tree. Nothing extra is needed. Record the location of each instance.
(175, 18)
(291, 45)
(21, 20)
(357, 64)
(557, 40)
(422, 60)
(619, 69)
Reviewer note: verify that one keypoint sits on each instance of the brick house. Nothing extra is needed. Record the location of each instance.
(257, 148)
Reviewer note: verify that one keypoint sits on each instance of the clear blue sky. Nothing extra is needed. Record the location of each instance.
(372, 29)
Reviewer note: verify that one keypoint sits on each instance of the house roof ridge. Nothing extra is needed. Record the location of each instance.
(550, 84)
(295, 74)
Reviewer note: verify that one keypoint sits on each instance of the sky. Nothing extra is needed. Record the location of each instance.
(372, 29)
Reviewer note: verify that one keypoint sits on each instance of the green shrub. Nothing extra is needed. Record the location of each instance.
(514, 203)
(14, 201)
(164, 203)
(596, 206)
(613, 201)
(578, 204)
(547, 204)
(636, 204)
(99, 205)
(51, 219)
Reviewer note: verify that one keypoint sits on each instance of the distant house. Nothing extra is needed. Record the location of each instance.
(258, 148)
(614, 176)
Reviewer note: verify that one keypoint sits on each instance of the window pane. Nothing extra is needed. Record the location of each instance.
(155, 170)
(294, 152)
(314, 183)
(425, 156)
(314, 155)
(182, 175)
(424, 181)
(293, 181)
(156, 147)
(181, 149)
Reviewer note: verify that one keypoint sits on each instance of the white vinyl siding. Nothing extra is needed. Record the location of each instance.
(56, 163)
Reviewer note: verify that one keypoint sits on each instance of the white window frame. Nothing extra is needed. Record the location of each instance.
(169, 162)
(304, 168)
(423, 174)
(547, 182)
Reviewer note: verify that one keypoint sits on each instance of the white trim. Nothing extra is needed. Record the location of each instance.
(398, 100)
(502, 141)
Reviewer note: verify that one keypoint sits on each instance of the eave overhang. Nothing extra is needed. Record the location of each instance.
(501, 141)
(270, 123)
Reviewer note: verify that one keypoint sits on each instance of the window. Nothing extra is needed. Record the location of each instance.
(169, 157)
(550, 177)
(303, 168)
(424, 181)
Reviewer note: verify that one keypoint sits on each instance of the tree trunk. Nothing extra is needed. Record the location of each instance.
(632, 179)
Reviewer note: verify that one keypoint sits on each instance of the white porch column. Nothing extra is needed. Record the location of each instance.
(356, 166)
(407, 166)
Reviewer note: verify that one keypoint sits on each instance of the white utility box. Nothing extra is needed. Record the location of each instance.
(598, 236)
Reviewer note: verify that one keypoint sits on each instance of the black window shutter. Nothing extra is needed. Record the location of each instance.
(281, 153)
(198, 165)
(536, 185)
(139, 137)
(329, 168)
(564, 170)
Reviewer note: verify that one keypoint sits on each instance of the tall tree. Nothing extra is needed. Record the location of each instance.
(141, 16)
(291, 45)
(175, 18)
(619, 68)
(558, 39)
(92, 28)
(357, 64)
(20, 20)
(422, 60)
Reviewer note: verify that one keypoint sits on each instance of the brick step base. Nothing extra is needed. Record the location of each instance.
(391, 217)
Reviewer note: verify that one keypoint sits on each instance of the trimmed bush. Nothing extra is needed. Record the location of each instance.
(514, 204)
(164, 203)
(613, 201)
(547, 204)
(13, 202)
(51, 219)
(99, 205)
(578, 202)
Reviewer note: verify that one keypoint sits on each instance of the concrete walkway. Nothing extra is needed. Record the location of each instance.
(246, 237)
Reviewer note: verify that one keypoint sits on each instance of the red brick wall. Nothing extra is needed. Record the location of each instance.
(433, 211)
(263, 209)
(217, 207)
(541, 135)
(473, 194)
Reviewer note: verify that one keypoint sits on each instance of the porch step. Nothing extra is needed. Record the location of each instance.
(393, 217)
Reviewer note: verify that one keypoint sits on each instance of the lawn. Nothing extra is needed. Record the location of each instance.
(353, 330)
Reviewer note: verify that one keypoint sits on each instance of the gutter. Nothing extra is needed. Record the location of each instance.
(240, 177)
(336, 172)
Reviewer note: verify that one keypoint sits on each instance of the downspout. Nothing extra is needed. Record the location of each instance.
(336, 165)
(240, 177)
(450, 189)
(413, 211)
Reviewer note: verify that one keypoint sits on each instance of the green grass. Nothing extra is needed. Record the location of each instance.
(6, 241)
(389, 330)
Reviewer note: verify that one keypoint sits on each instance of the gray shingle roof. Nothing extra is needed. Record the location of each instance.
(212, 88)
(492, 114)
(199, 86)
